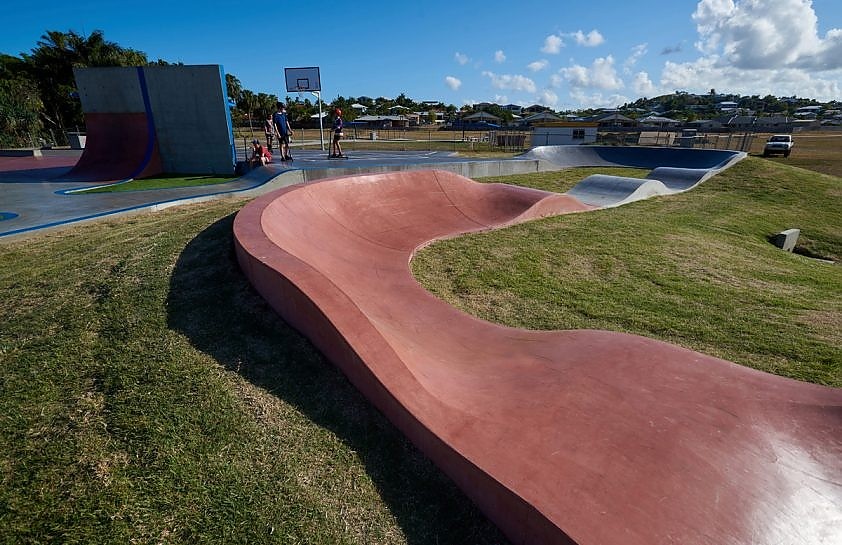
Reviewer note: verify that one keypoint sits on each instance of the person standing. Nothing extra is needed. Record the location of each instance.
(269, 131)
(284, 130)
(336, 148)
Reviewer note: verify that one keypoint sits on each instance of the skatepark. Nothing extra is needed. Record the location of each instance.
(557, 436)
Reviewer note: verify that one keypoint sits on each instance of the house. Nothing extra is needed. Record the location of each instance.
(564, 133)
(706, 125)
(383, 121)
(534, 109)
(514, 108)
(614, 121)
(542, 117)
(659, 122)
(480, 117)
(741, 123)
(776, 123)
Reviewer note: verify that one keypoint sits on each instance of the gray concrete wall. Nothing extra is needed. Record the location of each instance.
(190, 112)
(188, 105)
(109, 90)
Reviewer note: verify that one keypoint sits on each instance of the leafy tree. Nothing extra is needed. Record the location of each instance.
(20, 105)
(51, 65)
(233, 87)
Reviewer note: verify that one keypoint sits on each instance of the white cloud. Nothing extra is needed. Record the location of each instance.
(708, 72)
(637, 52)
(643, 86)
(500, 99)
(597, 100)
(556, 80)
(510, 82)
(499, 56)
(601, 75)
(537, 66)
(552, 44)
(591, 39)
(755, 47)
(752, 34)
(548, 98)
(453, 83)
(461, 58)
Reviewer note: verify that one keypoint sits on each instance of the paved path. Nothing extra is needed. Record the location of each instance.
(31, 199)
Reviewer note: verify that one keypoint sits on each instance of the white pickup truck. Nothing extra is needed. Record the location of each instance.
(778, 143)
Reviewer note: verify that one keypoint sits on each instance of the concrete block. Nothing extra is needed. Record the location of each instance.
(786, 240)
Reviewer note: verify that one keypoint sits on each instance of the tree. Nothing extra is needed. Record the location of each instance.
(233, 87)
(20, 105)
(51, 63)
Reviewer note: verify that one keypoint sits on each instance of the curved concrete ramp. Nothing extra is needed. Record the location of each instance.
(119, 146)
(673, 170)
(603, 190)
(587, 437)
(634, 156)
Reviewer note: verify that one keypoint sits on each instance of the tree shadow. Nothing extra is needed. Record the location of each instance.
(211, 302)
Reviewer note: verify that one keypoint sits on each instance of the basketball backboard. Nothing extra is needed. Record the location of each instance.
(302, 79)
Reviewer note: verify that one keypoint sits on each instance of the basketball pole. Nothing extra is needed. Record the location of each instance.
(321, 126)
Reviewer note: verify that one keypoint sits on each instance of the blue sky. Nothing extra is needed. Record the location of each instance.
(564, 54)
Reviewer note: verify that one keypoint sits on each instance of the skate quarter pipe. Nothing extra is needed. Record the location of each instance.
(581, 436)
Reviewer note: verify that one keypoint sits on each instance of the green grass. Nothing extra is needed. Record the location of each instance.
(694, 269)
(148, 395)
(164, 182)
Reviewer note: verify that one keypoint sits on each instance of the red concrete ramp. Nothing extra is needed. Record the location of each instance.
(119, 146)
(588, 437)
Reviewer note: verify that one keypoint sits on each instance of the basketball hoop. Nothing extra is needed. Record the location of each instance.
(306, 80)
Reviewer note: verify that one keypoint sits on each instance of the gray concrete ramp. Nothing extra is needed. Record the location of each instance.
(606, 191)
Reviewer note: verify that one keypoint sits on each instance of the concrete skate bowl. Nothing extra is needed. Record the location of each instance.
(119, 146)
(673, 170)
(588, 437)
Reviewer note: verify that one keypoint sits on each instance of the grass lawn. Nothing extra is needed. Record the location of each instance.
(148, 395)
(814, 150)
(164, 182)
(694, 269)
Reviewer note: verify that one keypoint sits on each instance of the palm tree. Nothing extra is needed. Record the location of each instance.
(52, 61)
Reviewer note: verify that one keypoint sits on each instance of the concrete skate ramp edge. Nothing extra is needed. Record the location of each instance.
(634, 156)
(673, 170)
(583, 436)
(119, 146)
(603, 190)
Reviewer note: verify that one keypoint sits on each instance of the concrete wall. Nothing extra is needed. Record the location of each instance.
(188, 107)
(109, 90)
(190, 111)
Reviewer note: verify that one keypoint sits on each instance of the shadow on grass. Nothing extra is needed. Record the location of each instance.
(212, 303)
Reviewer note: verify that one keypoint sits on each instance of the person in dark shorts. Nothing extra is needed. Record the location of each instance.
(284, 130)
(336, 148)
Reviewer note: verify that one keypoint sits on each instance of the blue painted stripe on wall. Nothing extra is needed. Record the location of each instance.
(228, 116)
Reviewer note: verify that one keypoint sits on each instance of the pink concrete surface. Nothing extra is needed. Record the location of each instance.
(588, 437)
(118, 147)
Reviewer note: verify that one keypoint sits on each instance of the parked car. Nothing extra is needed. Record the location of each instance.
(778, 143)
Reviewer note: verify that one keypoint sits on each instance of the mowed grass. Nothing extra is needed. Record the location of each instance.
(814, 150)
(148, 395)
(694, 269)
(164, 182)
